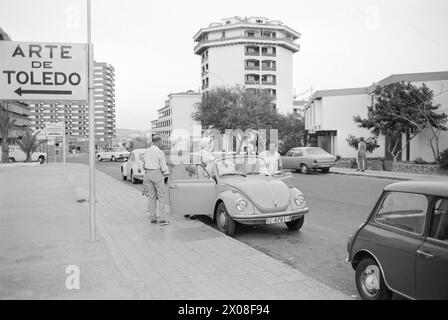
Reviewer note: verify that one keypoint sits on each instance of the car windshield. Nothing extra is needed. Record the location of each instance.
(241, 166)
(316, 151)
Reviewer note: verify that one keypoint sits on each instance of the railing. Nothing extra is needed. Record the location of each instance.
(251, 67)
(266, 68)
(247, 53)
(252, 81)
(273, 82)
(269, 54)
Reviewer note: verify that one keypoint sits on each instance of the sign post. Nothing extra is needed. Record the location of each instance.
(54, 130)
(91, 84)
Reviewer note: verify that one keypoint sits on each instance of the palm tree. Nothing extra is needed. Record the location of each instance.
(29, 144)
(6, 124)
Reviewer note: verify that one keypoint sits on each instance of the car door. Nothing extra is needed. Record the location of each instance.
(130, 163)
(192, 190)
(432, 255)
(287, 160)
(397, 233)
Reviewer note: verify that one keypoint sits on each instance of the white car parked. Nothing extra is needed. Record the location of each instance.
(133, 168)
(113, 154)
(17, 155)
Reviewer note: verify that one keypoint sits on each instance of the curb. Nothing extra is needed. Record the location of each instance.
(20, 164)
(371, 176)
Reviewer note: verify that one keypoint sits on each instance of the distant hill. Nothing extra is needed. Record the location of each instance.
(130, 132)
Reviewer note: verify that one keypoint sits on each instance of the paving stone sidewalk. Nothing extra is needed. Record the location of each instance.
(43, 232)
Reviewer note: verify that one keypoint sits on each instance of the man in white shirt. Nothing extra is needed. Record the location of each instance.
(156, 170)
(272, 158)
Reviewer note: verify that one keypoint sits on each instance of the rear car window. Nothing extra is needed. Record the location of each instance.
(439, 223)
(404, 211)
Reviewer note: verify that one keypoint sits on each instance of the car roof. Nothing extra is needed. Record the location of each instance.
(437, 188)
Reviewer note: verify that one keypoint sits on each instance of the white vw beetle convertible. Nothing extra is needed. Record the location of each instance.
(238, 189)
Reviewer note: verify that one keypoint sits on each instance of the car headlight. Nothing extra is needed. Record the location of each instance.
(241, 205)
(299, 199)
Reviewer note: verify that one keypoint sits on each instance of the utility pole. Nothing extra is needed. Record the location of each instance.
(92, 206)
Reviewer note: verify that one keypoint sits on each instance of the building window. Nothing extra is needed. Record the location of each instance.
(252, 50)
(269, 65)
(250, 34)
(252, 65)
(223, 34)
(259, 21)
(252, 79)
(269, 51)
(268, 79)
(268, 34)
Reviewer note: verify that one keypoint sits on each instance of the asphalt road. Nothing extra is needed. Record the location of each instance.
(338, 204)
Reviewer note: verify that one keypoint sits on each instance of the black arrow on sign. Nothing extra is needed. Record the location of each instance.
(19, 91)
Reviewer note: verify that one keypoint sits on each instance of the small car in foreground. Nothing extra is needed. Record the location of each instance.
(132, 169)
(305, 159)
(16, 154)
(238, 189)
(113, 154)
(403, 245)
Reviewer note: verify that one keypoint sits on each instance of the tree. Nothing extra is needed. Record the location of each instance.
(291, 132)
(224, 108)
(371, 143)
(6, 125)
(403, 108)
(29, 143)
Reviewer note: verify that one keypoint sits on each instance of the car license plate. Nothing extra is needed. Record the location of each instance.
(278, 220)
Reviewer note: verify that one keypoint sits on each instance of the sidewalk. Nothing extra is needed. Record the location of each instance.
(43, 229)
(387, 174)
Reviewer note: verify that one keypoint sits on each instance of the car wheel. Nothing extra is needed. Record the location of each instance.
(113, 159)
(99, 159)
(41, 159)
(133, 180)
(370, 281)
(123, 176)
(11, 159)
(296, 225)
(224, 221)
(326, 170)
(304, 169)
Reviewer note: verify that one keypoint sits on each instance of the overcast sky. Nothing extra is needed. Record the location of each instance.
(344, 43)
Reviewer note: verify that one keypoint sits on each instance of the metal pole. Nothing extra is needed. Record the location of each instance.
(91, 129)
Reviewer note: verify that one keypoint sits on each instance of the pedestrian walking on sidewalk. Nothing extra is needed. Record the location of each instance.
(156, 171)
(362, 155)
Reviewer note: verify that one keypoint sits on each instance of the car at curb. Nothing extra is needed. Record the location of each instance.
(113, 154)
(16, 154)
(132, 169)
(403, 245)
(305, 159)
(237, 190)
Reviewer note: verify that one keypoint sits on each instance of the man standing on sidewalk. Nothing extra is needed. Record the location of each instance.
(362, 155)
(155, 167)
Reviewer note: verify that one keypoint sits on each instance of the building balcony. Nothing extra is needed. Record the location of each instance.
(272, 82)
(251, 67)
(269, 54)
(252, 82)
(249, 53)
(269, 68)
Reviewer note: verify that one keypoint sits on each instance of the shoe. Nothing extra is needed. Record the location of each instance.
(164, 222)
(154, 220)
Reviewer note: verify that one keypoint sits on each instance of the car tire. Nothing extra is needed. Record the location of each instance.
(41, 159)
(224, 221)
(113, 159)
(304, 169)
(364, 280)
(296, 225)
(99, 159)
(326, 170)
(123, 176)
(133, 180)
(11, 159)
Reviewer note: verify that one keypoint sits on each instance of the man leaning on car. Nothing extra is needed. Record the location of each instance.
(156, 169)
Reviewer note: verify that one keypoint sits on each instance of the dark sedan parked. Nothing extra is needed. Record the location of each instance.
(403, 245)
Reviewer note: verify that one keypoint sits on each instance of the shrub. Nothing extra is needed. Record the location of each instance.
(420, 160)
(443, 159)
(371, 143)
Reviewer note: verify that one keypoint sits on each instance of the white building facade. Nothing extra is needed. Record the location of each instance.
(176, 115)
(255, 53)
(329, 117)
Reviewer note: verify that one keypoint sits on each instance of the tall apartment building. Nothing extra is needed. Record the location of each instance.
(256, 53)
(18, 110)
(76, 117)
(176, 114)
